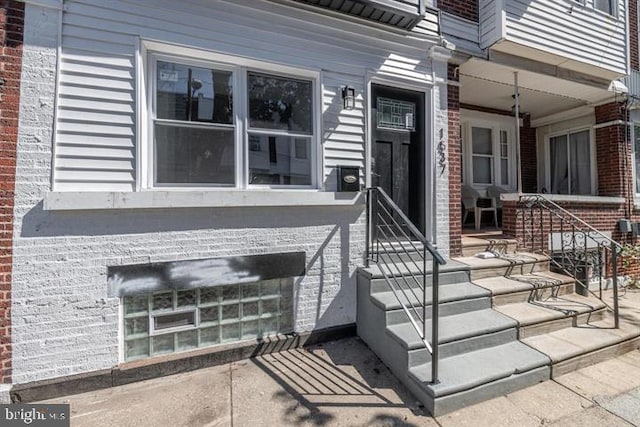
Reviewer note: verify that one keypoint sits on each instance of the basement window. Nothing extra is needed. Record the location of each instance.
(175, 321)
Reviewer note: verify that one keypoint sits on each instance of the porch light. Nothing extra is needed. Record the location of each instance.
(348, 98)
(617, 87)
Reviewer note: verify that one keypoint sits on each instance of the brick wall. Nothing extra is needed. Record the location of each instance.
(467, 9)
(610, 150)
(633, 35)
(11, 33)
(528, 157)
(455, 164)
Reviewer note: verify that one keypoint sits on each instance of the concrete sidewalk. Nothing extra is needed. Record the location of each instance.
(342, 383)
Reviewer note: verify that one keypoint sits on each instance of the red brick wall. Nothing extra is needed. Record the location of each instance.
(11, 32)
(455, 164)
(528, 157)
(467, 9)
(610, 150)
(633, 34)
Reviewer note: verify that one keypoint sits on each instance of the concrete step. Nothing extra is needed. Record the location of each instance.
(505, 265)
(456, 330)
(479, 375)
(472, 245)
(451, 272)
(526, 287)
(387, 300)
(553, 313)
(577, 347)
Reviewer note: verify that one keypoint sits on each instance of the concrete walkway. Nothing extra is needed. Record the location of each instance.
(342, 383)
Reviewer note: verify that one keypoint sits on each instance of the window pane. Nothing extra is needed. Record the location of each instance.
(190, 93)
(636, 135)
(174, 320)
(192, 155)
(279, 160)
(604, 5)
(482, 170)
(482, 141)
(504, 144)
(559, 165)
(504, 172)
(580, 163)
(280, 103)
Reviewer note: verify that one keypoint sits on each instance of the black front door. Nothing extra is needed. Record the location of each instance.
(397, 152)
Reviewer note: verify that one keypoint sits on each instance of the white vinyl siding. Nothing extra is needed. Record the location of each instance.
(97, 134)
(568, 29)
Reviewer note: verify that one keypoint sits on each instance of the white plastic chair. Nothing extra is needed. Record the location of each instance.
(470, 197)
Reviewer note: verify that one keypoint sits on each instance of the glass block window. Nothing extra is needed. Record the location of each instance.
(173, 321)
(395, 114)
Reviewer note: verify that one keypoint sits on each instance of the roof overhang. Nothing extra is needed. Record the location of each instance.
(404, 14)
(542, 95)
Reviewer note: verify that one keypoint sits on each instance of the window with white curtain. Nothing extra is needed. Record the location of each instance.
(570, 166)
(489, 159)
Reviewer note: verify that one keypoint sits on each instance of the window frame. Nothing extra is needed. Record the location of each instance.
(152, 52)
(612, 3)
(592, 158)
(636, 185)
(497, 127)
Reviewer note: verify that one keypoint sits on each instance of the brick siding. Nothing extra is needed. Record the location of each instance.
(528, 157)
(11, 33)
(455, 164)
(633, 35)
(467, 9)
(610, 150)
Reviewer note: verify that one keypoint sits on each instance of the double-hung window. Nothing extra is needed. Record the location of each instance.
(490, 156)
(223, 125)
(636, 159)
(570, 165)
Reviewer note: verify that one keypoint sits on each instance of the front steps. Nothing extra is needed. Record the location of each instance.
(505, 323)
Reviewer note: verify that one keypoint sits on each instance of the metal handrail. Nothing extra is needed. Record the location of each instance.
(564, 216)
(388, 226)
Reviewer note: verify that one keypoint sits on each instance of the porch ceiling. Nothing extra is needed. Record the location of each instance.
(488, 84)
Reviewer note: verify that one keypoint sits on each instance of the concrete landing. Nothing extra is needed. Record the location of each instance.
(343, 383)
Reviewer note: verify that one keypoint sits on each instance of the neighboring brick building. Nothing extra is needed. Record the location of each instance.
(11, 32)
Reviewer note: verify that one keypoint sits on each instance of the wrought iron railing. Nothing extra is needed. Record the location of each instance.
(573, 246)
(402, 253)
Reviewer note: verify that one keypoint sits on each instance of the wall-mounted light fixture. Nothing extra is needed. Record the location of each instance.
(348, 98)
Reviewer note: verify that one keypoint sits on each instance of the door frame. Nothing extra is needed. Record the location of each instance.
(425, 88)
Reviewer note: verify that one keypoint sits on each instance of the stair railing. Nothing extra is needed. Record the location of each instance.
(401, 253)
(573, 246)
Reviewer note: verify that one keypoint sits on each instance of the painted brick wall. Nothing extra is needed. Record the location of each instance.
(467, 9)
(455, 163)
(11, 34)
(443, 216)
(63, 321)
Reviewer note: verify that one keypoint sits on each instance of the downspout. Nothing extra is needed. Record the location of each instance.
(434, 177)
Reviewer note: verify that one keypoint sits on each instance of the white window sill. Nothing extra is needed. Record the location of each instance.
(85, 200)
(601, 200)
